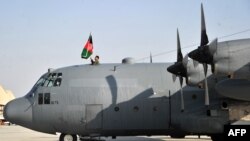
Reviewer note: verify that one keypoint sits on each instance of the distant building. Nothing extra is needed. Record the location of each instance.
(5, 97)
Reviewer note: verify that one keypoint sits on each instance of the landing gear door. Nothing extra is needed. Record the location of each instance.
(94, 116)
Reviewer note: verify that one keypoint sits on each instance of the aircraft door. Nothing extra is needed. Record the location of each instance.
(94, 116)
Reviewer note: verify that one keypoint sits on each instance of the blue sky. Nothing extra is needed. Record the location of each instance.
(37, 35)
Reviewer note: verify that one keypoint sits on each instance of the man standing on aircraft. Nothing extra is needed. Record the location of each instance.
(96, 61)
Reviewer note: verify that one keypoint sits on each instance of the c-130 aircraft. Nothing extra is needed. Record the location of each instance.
(132, 99)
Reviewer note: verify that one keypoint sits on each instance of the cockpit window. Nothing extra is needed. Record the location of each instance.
(47, 80)
(39, 82)
(53, 80)
(57, 82)
(50, 84)
(53, 75)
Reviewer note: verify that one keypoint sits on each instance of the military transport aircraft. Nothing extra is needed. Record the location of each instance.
(131, 98)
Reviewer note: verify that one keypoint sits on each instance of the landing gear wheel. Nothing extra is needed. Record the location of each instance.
(67, 137)
(177, 136)
(217, 137)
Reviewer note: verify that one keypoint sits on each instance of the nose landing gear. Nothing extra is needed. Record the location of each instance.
(67, 137)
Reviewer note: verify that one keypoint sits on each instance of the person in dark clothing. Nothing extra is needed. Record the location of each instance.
(96, 61)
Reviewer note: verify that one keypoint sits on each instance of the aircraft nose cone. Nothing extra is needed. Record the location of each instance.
(18, 111)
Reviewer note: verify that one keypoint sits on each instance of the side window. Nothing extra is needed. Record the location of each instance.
(59, 75)
(58, 81)
(54, 75)
(47, 98)
(40, 98)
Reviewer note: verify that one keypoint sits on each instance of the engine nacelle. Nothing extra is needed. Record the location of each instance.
(232, 58)
(234, 88)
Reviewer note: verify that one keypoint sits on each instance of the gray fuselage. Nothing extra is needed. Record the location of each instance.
(129, 99)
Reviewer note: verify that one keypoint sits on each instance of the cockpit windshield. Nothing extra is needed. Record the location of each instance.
(52, 80)
(48, 80)
(39, 82)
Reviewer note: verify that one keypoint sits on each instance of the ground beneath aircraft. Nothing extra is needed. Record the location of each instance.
(17, 133)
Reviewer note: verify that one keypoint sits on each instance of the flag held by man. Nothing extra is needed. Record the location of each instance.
(88, 48)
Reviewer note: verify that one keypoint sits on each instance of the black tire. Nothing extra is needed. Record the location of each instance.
(217, 137)
(180, 136)
(67, 137)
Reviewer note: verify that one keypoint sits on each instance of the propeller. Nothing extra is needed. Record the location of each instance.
(204, 53)
(179, 68)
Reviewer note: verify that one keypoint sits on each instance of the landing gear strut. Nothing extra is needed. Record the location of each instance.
(67, 137)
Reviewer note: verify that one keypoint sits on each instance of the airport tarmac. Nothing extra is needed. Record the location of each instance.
(18, 133)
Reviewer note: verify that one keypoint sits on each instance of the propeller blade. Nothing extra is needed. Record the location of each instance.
(206, 86)
(173, 77)
(205, 69)
(196, 63)
(178, 67)
(203, 54)
(185, 61)
(179, 53)
(182, 98)
(204, 38)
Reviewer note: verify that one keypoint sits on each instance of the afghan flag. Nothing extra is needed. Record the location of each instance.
(88, 48)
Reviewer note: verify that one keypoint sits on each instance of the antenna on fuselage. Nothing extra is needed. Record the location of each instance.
(50, 70)
(151, 59)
